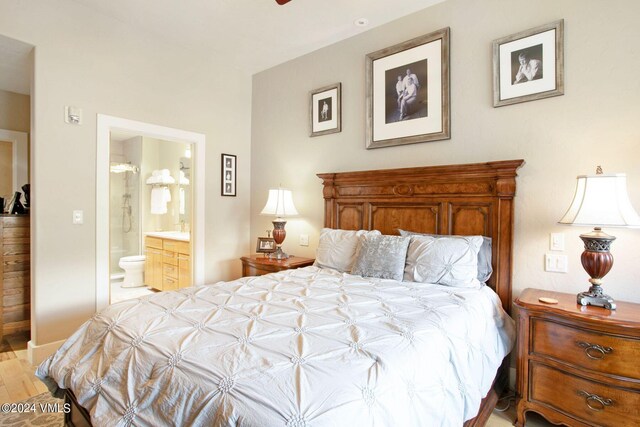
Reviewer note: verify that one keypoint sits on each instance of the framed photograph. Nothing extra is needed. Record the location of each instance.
(408, 92)
(228, 175)
(265, 245)
(529, 65)
(325, 115)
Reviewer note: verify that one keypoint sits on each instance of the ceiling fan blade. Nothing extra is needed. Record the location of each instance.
(281, 2)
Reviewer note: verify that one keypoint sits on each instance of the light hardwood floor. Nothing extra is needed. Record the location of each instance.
(18, 382)
(17, 378)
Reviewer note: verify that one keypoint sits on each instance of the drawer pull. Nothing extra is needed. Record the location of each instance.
(594, 351)
(593, 399)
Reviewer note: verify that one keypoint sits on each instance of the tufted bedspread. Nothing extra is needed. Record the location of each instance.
(306, 347)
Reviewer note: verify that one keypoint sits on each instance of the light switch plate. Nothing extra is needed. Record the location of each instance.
(304, 240)
(555, 263)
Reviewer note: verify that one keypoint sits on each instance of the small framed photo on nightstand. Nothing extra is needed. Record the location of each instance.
(265, 245)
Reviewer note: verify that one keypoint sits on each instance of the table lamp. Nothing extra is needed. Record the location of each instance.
(280, 204)
(600, 200)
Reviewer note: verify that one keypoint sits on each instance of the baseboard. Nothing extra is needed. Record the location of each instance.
(38, 353)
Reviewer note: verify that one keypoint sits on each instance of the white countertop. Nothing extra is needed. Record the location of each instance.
(174, 235)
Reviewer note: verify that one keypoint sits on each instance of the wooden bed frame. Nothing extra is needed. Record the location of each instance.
(470, 199)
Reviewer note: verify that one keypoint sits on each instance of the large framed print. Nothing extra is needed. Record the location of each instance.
(529, 65)
(324, 110)
(408, 92)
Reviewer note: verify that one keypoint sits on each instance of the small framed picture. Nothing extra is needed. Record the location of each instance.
(325, 115)
(529, 65)
(228, 175)
(408, 92)
(265, 245)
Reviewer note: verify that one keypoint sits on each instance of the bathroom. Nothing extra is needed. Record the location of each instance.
(149, 195)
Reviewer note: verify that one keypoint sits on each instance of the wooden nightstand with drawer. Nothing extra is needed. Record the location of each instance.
(257, 265)
(578, 365)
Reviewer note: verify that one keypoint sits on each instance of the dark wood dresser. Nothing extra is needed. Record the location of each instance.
(15, 282)
(257, 265)
(578, 366)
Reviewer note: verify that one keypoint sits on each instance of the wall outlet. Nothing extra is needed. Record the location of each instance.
(555, 263)
(78, 217)
(304, 240)
(556, 242)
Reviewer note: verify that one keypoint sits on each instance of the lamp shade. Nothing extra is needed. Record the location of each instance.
(601, 200)
(279, 203)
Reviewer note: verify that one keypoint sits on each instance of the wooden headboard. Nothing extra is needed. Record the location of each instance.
(471, 199)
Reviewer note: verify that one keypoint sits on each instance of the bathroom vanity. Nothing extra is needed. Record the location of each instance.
(168, 260)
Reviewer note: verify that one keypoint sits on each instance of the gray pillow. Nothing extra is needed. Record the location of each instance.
(450, 261)
(381, 256)
(484, 256)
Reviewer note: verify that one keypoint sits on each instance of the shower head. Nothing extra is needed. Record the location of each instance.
(123, 167)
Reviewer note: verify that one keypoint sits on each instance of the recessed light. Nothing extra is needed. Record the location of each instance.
(361, 22)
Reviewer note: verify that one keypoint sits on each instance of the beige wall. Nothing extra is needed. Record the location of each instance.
(595, 123)
(88, 60)
(15, 113)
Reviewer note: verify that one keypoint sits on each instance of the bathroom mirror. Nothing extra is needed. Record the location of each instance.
(184, 193)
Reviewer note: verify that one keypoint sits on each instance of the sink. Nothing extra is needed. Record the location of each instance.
(175, 235)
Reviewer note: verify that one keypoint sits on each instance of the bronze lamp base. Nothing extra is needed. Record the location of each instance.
(279, 234)
(597, 262)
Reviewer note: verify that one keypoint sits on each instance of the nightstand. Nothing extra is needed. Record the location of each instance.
(579, 366)
(257, 265)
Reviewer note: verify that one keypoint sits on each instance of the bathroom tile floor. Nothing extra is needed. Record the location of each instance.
(118, 293)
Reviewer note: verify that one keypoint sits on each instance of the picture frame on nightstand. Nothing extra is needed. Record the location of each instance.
(265, 245)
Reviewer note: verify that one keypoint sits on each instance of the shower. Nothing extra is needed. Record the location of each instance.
(124, 209)
(127, 169)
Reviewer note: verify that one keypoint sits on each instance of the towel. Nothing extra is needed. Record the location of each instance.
(182, 201)
(160, 196)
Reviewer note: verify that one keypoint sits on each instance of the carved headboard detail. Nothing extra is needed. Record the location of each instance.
(471, 199)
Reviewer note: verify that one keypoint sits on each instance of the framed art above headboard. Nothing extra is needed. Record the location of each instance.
(467, 199)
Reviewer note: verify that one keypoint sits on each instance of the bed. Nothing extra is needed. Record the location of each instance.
(317, 346)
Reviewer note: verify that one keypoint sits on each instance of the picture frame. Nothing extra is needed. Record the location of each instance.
(529, 65)
(325, 110)
(408, 93)
(266, 245)
(229, 173)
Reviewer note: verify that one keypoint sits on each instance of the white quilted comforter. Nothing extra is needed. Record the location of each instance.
(307, 347)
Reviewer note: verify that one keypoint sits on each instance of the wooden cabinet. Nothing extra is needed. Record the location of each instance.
(168, 263)
(578, 365)
(15, 276)
(257, 265)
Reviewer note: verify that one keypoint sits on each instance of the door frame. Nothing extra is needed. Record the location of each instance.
(104, 127)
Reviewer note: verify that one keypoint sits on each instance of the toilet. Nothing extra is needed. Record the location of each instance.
(133, 267)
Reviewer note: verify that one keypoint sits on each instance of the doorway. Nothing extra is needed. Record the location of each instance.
(175, 139)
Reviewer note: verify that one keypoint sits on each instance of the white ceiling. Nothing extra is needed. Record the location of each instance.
(253, 34)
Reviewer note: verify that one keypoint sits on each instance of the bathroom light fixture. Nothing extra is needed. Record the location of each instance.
(115, 167)
(599, 200)
(279, 203)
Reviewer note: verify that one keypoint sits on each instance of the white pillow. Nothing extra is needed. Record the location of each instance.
(447, 261)
(337, 248)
